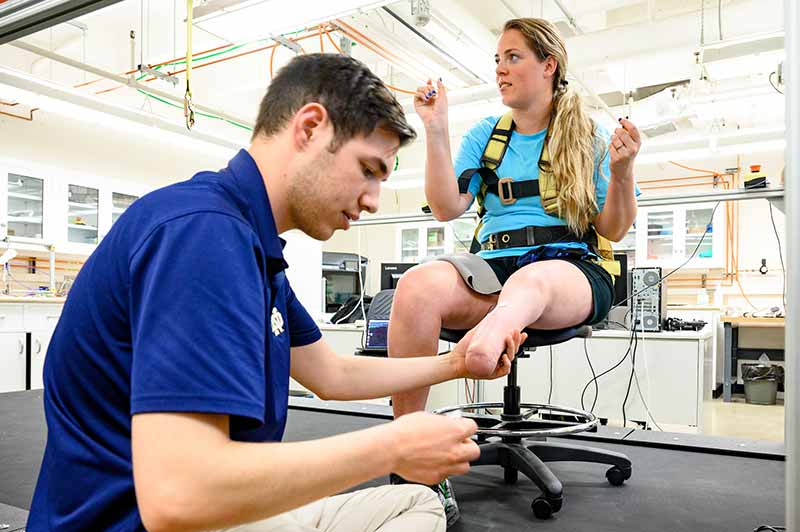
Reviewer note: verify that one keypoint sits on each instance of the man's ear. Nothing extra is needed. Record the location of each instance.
(309, 123)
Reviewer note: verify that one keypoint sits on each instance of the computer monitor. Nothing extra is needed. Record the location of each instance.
(391, 272)
(377, 335)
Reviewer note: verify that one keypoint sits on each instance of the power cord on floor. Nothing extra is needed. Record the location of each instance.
(639, 388)
(609, 370)
(594, 377)
(550, 393)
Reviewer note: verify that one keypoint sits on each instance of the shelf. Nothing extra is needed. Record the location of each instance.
(25, 219)
(82, 227)
(85, 207)
(18, 195)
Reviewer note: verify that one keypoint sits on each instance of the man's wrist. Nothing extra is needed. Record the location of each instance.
(457, 366)
(390, 444)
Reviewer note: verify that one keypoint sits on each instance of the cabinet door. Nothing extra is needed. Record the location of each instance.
(39, 342)
(83, 214)
(25, 208)
(12, 362)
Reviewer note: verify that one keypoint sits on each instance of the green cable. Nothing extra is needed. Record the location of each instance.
(215, 117)
(222, 52)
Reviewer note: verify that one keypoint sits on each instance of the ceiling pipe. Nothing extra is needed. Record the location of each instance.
(125, 81)
(570, 19)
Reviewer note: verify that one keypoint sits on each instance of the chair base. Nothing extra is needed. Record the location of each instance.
(529, 457)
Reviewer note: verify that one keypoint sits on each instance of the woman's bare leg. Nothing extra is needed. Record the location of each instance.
(428, 297)
(550, 294)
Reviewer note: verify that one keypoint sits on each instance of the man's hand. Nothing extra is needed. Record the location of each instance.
(624, 145)
(430, 448)
(512, 343)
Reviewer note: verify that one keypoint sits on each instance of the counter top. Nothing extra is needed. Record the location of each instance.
(705, 332)
(32, 299)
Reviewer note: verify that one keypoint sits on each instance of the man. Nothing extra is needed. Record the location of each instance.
(166, 381)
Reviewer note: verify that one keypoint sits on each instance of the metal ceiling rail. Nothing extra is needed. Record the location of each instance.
(653, 201)
(126, 81)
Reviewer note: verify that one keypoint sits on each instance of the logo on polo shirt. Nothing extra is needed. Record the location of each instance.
(277, 322)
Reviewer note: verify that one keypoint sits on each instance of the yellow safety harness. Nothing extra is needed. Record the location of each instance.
(508, 190)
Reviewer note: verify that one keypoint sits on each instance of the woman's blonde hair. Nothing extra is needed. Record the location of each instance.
(571, 138)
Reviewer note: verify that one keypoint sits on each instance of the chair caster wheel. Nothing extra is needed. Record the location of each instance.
(510, 475)
(617, 476)
(544, 508)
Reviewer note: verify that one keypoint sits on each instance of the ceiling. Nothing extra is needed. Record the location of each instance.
(636, 58)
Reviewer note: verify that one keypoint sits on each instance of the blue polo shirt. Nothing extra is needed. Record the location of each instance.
(183, 307)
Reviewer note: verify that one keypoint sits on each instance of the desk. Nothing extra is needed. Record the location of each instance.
(732, 351)
(673, 370)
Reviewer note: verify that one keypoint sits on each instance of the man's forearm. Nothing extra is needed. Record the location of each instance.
(370, 377)
(254, 481)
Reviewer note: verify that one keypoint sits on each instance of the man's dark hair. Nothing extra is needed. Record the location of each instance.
(357, 101)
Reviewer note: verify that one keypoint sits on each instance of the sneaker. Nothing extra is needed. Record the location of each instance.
(448, 499)
(444, 490)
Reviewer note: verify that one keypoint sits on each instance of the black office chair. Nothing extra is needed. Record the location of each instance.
(522, 445)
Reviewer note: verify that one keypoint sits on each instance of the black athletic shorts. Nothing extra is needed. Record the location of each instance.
(599, 279)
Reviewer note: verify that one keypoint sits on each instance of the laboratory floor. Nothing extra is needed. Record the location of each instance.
(739, 419)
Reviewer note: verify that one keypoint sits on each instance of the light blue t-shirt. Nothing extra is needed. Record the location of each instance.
(520, 162)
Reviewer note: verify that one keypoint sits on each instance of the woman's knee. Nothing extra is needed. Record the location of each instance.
(423, 285)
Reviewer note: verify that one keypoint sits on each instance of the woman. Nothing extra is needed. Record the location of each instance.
(546, 287)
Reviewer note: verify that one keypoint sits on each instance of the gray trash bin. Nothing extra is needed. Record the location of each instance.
(760, 383)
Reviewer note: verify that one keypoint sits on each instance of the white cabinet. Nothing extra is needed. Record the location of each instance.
(38, 348)
(13, 362)
(668, 236)
(40, 205)
(25, 332)
(429, 239)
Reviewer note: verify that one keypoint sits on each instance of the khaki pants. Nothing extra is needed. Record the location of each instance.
(401, 508)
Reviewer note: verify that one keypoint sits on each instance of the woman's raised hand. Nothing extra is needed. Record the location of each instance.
(430, 102)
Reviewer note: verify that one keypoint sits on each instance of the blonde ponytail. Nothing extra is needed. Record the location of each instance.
(571, 138)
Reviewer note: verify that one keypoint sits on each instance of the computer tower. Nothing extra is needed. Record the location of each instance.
(649, 300)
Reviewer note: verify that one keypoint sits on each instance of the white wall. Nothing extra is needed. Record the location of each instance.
(79, 147)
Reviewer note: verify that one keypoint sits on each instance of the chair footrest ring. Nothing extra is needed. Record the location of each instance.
(524, 428)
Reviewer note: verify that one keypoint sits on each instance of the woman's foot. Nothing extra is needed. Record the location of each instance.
(489, 341)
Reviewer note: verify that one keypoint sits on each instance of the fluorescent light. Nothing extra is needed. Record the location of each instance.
(77, 105)
(707, 152)
(244, 21)
(22, 17)
(744, 56)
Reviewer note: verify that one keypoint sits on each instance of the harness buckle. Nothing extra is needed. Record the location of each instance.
(503, 184)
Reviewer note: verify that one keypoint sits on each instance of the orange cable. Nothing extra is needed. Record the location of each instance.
(404, 91)
(228, 58)
(694, 169)
(128, 73)
(328, 34)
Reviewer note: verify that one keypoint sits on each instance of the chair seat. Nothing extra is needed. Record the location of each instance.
(536, 337)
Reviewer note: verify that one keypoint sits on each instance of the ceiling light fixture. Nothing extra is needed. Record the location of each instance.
(69, 102)
(245, 20)
(19, 18)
